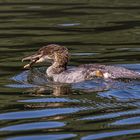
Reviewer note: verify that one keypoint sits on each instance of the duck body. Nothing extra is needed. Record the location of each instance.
(58, 71)
(74, 75)
(91, 71)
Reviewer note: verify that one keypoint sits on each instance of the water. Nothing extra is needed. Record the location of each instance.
(100, 31)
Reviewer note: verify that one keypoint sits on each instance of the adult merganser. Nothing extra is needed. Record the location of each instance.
(58, 71)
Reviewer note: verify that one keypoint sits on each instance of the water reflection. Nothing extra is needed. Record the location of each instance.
(51, 137)
(31, 126)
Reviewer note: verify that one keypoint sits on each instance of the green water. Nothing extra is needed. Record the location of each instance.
(94, 31)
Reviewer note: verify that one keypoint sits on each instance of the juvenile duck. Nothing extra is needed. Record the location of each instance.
(58, 71)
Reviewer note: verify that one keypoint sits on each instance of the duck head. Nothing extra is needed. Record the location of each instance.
(57, 54)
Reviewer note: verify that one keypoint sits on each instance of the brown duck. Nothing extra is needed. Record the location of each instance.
(59, 72)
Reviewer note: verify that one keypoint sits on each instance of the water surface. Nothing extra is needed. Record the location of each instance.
(99, 31)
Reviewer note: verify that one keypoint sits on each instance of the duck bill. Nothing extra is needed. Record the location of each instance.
(33, 59)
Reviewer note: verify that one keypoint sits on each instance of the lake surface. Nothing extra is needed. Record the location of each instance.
(99, 31)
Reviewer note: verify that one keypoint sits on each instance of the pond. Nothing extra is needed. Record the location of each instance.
(99, 31)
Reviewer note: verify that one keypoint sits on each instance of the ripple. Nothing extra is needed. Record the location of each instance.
(112, 115)
(40, 113)
(111, 134)
(45, 137)
(69, 24)
(131, 92)
(52, 100)
(32, 126)
(129, 121)
(84, 54)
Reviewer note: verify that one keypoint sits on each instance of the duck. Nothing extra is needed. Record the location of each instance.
(59, 72)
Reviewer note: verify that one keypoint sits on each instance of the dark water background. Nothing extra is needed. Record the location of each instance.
(95, 31)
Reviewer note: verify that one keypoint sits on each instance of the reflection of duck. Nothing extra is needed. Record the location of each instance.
(58, 71)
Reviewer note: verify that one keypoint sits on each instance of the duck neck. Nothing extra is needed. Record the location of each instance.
(56, 68)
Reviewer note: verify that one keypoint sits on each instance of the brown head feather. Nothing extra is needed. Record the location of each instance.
(58, 53)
